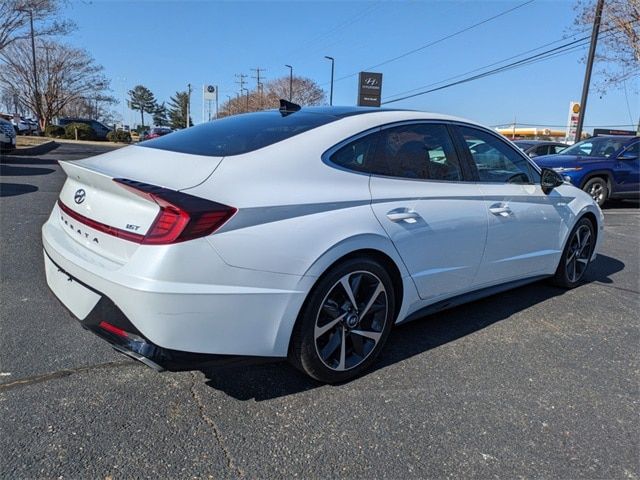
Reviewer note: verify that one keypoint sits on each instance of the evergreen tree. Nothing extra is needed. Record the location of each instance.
(160, 116)
(142, 99)
(178, 110)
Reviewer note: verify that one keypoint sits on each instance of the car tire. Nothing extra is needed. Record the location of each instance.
(333, 340)
(598, 189)
(576, 255)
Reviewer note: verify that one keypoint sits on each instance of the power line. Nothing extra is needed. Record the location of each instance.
(479, 68)
(440, 40)
(524, 61)
(510, 124)
(304, 47)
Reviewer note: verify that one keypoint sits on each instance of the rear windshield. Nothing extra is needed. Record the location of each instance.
(239, 133)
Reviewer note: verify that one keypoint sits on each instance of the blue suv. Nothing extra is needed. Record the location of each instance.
(604, 167)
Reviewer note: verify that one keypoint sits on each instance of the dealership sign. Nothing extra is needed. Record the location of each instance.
(369, 89)
(209, 92)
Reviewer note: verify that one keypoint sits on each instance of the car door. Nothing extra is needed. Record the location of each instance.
(627, 170)
(525, 226)
(433, 215)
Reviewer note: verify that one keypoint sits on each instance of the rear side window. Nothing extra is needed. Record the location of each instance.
(239, 134)
(359, 155)
(420, 151)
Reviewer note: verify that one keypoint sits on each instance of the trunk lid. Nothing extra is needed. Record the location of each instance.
(91, 201)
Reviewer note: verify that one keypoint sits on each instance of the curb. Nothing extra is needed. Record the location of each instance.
(91, 142)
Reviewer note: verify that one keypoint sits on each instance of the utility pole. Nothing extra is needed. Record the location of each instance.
(332, 65)
(247, 100)
(241, 81)
(187, 122)
(587, 74)
(290, 81)
(258, 82)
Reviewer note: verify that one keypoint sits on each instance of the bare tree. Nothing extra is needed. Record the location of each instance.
(93, 106)
(618, 52)
(304, 92)
(15, 18)
(65, 74)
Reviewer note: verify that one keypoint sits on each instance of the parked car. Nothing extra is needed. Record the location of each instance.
(7, 136)
(305, 233)
(20, 125)
(536, 148)
(98, 127)
(606, 167)
(158, 132)
(34, 126)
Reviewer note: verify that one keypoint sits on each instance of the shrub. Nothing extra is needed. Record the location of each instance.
(85, 132)
(55, 131)
(119, 136)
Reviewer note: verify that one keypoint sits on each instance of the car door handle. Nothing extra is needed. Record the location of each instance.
(398, 215)
(500, 209)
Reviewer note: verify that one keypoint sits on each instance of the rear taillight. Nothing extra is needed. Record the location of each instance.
(181, 217)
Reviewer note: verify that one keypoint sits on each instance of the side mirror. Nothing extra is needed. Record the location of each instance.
(550, 180)
(628, 155)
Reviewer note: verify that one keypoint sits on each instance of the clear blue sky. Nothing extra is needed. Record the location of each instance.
(165, 45)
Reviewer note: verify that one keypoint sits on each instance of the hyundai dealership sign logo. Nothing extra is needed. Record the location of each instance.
(369, 89)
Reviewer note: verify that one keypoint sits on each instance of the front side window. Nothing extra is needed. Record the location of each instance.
(494, 159)
(633, 149)
(418, 151)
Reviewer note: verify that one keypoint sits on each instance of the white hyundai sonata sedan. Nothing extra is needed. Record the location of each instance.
(304, 234)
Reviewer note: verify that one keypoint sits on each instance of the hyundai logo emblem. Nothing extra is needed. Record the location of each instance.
(79, 196)
(371, 81)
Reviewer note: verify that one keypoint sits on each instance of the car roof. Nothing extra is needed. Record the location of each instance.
(623, 137)
(538, 142)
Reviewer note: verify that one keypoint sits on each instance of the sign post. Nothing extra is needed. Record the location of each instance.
(369, 89)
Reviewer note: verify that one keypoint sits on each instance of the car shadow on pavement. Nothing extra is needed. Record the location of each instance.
(14, 189)
(10, 171)
(621, 204)
(13, 160)
(277, 379)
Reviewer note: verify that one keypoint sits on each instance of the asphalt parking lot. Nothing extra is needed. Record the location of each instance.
(535, 382)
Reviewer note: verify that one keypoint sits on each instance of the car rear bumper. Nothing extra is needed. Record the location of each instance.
(174, 314)
(108, 322)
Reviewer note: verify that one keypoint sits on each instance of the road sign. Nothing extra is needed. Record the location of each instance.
(369, 89)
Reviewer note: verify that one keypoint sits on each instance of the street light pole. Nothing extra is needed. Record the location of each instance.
(35, 67)
(290, 80)
(331, 91)
(587, 73)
